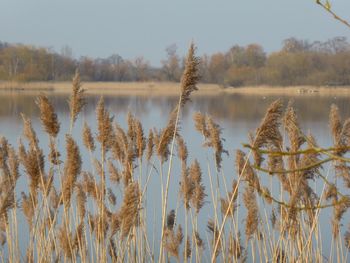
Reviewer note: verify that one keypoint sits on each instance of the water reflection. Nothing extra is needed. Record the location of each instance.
(223, 106)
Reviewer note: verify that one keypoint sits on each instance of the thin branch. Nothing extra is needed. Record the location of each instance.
(329, 10)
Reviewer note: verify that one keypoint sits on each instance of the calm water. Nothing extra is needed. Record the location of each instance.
(236, 114)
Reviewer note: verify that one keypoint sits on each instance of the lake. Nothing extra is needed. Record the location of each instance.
(236, 114)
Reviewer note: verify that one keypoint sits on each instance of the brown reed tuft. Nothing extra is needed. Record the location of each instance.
(150, 145)
(171, 219)
(340, 131)
(215, 141)
(212, 228)
(33, 162)
(190, 75)
(166, 136)
(140, 139)
(72, 168)
(48, 116)
(119, 144)
(115, 223)
(187, 248)
(331, 192)
(245, 170)
(172, 241)
(225, 202)
(29, 133)
(28, 209)
(131, 127)
(182, 150)
(54, 198)
(234, 247)
(198, 240)
(111, 196)
(100, 223)
(2, 239)
(112, 250)
(186, 187)
(79, 238)
(114, 174)
(76, 100)
(339, 209)
(200, 124)
(197, 198)
(347, 238)
(13, 165)
(275, 162)
(343, 170)
(129, 211)
(335, 123)
(252, 219)
(104, 125)
(268, 134)
(98, 167)
(65, 241)
(88, 138)
(81, 201)
(292, 128)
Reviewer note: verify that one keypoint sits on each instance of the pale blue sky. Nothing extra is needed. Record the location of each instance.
(132, 28)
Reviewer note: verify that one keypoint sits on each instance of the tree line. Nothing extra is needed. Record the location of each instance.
(298, 62)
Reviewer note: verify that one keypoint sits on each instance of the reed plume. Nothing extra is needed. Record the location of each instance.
(200, 124)
(234, 247)
(171, 219)
(172, 241)
(166, 137)
(13, 165)
(198, 240)
(292, 127)
(190, 75)
(187, 248)
(215, 141)
(114, 174)
(72, 169)
(268, 133)
(182, 150)
(129, 211)
(112, 250)
(131, 127)
(111, 196)
(104, 125)
(33, 163)
(212, 228)
(88, 139)
(226, 208)
(150, 145)
(245, 170)
(186, 187)
(140, 139)
(76, 100)
(335, 124)
(54, 155)
(347, 238)
(198, 196)
(252, 219)
(81, 201)
(28, 209)
(48, 116)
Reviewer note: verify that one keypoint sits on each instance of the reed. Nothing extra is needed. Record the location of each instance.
(73, 214)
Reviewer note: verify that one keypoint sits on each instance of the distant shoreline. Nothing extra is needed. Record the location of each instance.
(170, 88)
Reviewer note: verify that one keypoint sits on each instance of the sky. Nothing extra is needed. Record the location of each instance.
(131, 28)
